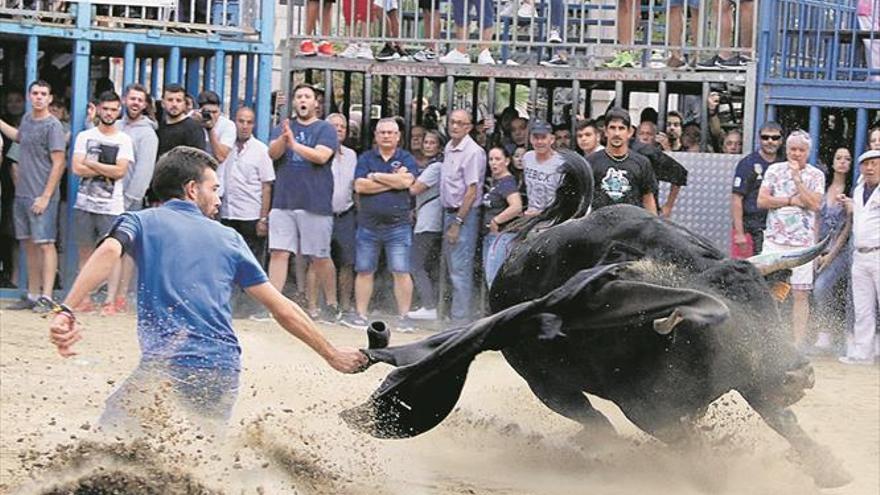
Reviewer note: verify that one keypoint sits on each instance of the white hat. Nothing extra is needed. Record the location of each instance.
(868, 155)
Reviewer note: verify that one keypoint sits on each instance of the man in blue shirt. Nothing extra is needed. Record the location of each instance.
(382, 179)
(301, 218)
(747, 237)
(187, 266)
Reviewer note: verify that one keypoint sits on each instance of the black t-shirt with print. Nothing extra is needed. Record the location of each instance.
(621, 181)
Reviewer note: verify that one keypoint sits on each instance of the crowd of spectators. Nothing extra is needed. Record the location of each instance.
(443, 205)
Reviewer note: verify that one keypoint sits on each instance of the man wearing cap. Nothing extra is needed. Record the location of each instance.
(620, 175)
(461, 188)
(541, 167)
(861, 346)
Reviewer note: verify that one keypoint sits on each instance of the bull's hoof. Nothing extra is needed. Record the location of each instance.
(825, 469)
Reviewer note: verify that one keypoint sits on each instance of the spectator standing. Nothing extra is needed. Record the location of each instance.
(861, 346)
(519, 135)
(220, 132)
(678, 15)
(626, 19)
(343, 240)
(874, 138)
(672, 139)
(561, 137)
(431, 20)
(748, 218)
(428, 232)
(314, 10)
(647, 133)
(177, 128)
(486, 22)
(382, 180)
(619, 175)
(417, 135)
(588, 137)
(830, 288)
(461, 191)
(41, 145)
(301, 218)
(503, 204)
(792, 193)
(541, 168)
(733, 142)
(101, 156)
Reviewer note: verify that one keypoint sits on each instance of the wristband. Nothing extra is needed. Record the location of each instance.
(263, 219)
(63, 309)
(459, 220)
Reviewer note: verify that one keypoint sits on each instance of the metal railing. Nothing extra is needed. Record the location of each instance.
(222, 17)
(836, 40)
(656, 30)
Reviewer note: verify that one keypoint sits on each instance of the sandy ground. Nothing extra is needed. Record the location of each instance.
(286, 436)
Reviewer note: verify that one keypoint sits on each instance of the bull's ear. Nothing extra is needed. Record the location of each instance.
(618, 252)
(779, 286)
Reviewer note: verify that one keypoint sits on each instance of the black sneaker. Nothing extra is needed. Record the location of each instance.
(387, 53)
(734, 62)
(710, 64)
(556, 61)
(22, 304)
(330, 315)
(404, 54)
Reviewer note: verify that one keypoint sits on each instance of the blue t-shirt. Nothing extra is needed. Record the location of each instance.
(187, 266)
(387, 208)
(301, 184)
(746, 182)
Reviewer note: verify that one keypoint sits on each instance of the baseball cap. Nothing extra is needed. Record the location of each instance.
(869, 155)
(538, 126)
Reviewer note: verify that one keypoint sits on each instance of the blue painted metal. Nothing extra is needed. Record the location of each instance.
(193, 73)
(234, 86)
(181, 73)
(129, 64)
(154, 79)
(142, 71)
(861, 137)
(249, 81)
(30, 66)
(172, 66)
(219, 74)
(207, 80)
(815, 122)
(264, 72)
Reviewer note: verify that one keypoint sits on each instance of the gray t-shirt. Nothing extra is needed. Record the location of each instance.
(429, 214)
(37, 140)
(541, 179)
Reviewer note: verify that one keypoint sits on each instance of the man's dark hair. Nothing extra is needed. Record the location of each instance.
(305, 85)
(673, 113)
(648, 115)
(208, 97)
(617, 113)
(108, 96)
(772, 125)
(173, 88)
(140, 88)
(41, 83)
(583, 124)
(561, 127)
(176, 168)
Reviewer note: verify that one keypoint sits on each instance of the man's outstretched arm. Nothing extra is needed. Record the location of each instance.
(297, 323)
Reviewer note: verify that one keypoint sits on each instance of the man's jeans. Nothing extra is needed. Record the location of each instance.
(460, 261)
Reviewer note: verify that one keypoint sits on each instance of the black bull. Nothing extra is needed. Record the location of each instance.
(625, 306)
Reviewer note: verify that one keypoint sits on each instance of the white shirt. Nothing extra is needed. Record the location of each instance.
(344, 163)
(225, 132)
(866, 218)
(242, 175)
(100, 194)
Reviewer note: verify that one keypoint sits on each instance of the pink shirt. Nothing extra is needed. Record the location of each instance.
(463, 164)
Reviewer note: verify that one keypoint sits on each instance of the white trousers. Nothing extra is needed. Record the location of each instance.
(866, 300)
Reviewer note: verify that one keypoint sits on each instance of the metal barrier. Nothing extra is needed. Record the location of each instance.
(585, 31)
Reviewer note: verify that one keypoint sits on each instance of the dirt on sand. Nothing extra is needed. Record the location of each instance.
(286, 435)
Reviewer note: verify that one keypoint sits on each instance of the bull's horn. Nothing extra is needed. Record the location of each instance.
(773, 262)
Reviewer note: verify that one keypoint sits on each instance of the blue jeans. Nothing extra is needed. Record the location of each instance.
(204, 394)
(397, 241)
(495, 249)
(460, 261)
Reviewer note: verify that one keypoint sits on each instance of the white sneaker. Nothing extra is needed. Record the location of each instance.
(525, 10)
(455, 57)
(365, 52)
(423, 314)
(485, 58)
(351, 51)
(511, 62)
(554, 36)
(506, 10)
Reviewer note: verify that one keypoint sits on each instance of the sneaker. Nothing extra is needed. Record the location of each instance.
(734, 62)
(674, 62)
(404, 325)
(511, 62)
(485, 58)
(261, 316)
(330, 315)
(387, 53)
(43, 305)
(855, 361)
(404, 54)
(355, 321)
(422, 314)
(455, 57)
(621, 60)
(365, 52)
(325, 48)
(554, 36)
(308, 48)
(712, 63)
(525, 10)
(23, 303)
(425, 55)
(351, 51)
(556, 61)
(506, 10)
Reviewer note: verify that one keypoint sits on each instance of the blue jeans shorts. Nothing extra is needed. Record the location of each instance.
(397, 241)
(40, 229)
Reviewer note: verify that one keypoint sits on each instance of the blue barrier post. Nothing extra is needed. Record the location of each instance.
(234, 86)
(249, 81)
(128, 66)
(219, 73)
(193, 71)
(172, 66)
(815, 122)
(142, 72)
(30, 67)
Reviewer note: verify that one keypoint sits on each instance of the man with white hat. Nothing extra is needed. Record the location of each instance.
(865, 206)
